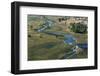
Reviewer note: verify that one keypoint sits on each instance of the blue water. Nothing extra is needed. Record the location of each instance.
(83, 45)
(69, 39)
(48, 23)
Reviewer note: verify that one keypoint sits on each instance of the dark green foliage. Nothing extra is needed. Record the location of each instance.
(29, 35)
(78, 28)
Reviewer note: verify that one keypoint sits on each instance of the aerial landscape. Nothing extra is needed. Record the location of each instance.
(52, 37)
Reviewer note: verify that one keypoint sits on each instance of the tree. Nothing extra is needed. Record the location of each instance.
(78, 27)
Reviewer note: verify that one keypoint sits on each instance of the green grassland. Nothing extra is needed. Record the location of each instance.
(42, 46)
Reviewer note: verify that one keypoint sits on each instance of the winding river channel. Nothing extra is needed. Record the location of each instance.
(68, 39)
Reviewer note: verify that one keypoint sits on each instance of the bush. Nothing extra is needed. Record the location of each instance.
(78, 28)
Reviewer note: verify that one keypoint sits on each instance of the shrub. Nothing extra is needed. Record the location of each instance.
(78, 27)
